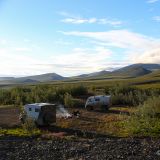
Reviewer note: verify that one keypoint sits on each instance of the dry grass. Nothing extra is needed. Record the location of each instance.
(110, 122)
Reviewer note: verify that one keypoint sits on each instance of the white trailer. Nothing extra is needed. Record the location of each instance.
(98, 102)
(41, 113)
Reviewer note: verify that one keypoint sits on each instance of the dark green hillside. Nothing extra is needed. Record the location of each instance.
(148, 66)
(30, 81)
(134, 71)
(91, 75)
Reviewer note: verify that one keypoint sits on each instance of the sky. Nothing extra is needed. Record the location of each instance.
(72, 37)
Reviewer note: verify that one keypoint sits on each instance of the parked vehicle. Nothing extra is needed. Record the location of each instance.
(98, 102)
(41, 113)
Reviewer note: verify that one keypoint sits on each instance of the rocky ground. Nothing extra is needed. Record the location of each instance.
(82, 149)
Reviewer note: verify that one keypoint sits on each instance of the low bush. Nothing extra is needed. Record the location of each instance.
(77, 103)
(126, 95)
(68, 100)
(30, 127)
(78, 90)
(19, 132)
(150, 108)
(146, 120)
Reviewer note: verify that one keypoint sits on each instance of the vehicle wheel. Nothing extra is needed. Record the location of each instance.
(89, 108)
(104, 108)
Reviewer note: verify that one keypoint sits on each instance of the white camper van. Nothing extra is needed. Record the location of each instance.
(41, 113)
(98, 102)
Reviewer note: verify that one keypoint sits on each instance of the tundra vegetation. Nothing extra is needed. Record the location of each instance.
(27, 129)
(141, 103)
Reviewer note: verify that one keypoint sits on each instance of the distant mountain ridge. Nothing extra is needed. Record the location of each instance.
(43, 77)
(6, 78)
(92, 74)
(30, 81)
(34, 79)
(131, 71)
(134, 70)
(147, 66)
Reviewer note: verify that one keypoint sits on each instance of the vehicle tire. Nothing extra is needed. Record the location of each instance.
(104, 108)
(89, 108)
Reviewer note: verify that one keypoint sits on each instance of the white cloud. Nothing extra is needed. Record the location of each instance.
(138, 47)
(156, 18)
(73, 19)
(81, 60)
(77, 21)
(114, 48)
(17, 62)
(120, 39)
(152, 1)
(92, 20)
(110, 22)
(150, 56)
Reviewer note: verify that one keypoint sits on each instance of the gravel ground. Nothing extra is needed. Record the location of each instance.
(82, 149)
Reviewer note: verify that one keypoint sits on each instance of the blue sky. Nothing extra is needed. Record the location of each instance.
(73, 37)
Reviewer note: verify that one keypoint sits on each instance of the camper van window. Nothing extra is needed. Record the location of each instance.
(36, 109)
(97, 99)
(30, 109)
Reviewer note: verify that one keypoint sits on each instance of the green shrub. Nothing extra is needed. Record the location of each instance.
(150, 108)
(122, 94)
(143, 126)
(30, 127)
(126, 95)
(78, 90)
(120, 89)
(19, 132)
(68, 100)
(77, 103)
(146, 120)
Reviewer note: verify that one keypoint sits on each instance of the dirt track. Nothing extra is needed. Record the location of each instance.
(9, 116)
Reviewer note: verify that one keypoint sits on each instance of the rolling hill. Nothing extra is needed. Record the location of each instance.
(42, 78)
(131, 71)
(148, 66)
(34, 79)
(92, 74)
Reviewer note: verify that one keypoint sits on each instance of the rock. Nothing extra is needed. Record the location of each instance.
(61, 149)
